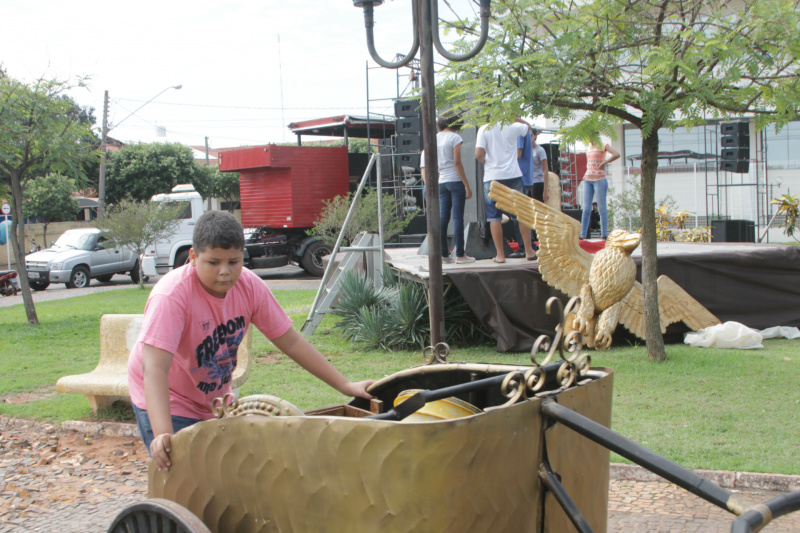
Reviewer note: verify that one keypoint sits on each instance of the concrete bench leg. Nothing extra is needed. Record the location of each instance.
(99, 402)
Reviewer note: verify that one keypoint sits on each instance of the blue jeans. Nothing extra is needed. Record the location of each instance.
(146, 430)
(492, 213)
(591, 190)
(452, 196)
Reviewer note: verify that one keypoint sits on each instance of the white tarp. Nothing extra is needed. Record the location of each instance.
(736, 335)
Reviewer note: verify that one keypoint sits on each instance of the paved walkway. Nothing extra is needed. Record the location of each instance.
(76, 480)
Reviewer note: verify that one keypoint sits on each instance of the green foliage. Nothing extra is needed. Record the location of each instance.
(365, 218)
(140, 224)
(138, 171)
(51, 198)
(624, 210)
(396, 316)
(226, 187)
(789, 207)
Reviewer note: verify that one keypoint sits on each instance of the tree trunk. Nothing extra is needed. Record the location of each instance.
(655, 340)
(17, 239)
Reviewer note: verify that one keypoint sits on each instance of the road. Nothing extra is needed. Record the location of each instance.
(289, 277)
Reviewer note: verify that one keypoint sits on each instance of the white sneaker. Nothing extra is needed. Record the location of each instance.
(448, 259)
(465, 259)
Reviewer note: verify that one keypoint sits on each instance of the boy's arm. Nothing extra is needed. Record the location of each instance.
(155, 368)
(298, 348)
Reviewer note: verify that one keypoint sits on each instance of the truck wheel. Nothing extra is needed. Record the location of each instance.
(135, 272)
(181, 258)
(105, 278)
(79, 278)
(312, 258)
(39, 285)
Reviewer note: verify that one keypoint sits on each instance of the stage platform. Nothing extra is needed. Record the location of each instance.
(755, 284)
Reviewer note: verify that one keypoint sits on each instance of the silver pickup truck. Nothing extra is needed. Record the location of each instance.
(78, 256)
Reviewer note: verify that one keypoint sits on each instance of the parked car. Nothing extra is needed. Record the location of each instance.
(77, 257)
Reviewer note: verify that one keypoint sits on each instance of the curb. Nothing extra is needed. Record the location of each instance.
(621, 471)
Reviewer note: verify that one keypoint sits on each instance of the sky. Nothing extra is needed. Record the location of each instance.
(247, 68)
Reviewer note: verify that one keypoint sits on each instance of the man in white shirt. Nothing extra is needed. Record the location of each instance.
(496, 148)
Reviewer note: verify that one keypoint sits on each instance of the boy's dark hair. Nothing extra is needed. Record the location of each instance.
(449, 120)
(217, 229)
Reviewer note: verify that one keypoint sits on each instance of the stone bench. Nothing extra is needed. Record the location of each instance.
(109, 381)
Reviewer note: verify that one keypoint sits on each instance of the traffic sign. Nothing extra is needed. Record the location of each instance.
(6, 209)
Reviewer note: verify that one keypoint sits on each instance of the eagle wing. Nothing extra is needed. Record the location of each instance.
(674, 305)
(562, 262)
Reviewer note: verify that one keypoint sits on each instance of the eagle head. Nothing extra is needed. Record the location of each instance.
(623, 240)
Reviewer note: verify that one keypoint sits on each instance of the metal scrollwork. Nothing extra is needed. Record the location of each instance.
(436, 354)
(257, 404)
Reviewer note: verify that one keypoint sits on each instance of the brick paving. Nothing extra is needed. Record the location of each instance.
(62, 481)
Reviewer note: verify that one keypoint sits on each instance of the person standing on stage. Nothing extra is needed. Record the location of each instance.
(454, 188)
(595, 184)
(525, 161)
(496, 148)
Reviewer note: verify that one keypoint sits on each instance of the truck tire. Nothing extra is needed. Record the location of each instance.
(181, 258)
(312, 258)
(39, 285)
(105, 278)
(135, 272)
(79, 278)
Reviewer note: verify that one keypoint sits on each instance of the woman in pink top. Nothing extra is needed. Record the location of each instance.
(595, 186)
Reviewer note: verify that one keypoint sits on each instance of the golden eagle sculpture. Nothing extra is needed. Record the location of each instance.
(605, 282)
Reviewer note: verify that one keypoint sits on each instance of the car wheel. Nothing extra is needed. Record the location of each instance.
(79, 278)
(105, 278)
(181, 258)
(312, 258)
(135, 272)
(39, 285)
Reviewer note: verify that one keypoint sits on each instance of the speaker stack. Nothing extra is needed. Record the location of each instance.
(735, 151)
(408, 126)
(553, 157)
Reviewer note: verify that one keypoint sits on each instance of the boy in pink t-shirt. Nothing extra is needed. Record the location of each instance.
(194, 320)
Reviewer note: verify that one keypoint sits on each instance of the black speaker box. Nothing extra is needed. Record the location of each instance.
(734, 141)
(409, 143)
(734, 128)
(574, 213)
(407, 108)
(408, 125)
(553, 155)
(733, 231)
(735, 153)
(407, 160)
(737, 166)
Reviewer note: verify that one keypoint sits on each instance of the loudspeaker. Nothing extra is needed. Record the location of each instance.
(735, 128)
(733, 141)
(574, 213)
(735, 153)
(407, 160)
(409, 143)
(408, 125)
(553, 157)
(407, 108)
(733, 231)
(740, 167)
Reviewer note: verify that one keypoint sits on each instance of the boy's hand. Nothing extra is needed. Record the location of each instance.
(159, 451)
(358, 389)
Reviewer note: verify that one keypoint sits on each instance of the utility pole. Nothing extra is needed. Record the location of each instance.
(101, 189)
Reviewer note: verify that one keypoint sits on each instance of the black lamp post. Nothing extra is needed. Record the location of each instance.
(426, 36)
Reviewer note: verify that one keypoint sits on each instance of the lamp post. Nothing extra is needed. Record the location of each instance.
(425, 14)
(101, 189)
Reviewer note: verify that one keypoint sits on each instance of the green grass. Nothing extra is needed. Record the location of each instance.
(703, 408)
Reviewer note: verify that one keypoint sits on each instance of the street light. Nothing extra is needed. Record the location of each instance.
(101, 189)
(426, 36)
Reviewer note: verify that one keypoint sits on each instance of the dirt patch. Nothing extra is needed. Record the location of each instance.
(30, 396)
(106, 450)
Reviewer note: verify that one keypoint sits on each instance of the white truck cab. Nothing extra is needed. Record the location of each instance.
(173, 252)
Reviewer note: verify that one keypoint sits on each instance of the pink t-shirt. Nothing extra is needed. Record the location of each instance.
(595, 164)
(203, 333)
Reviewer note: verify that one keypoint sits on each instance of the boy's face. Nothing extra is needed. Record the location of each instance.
(217, 268)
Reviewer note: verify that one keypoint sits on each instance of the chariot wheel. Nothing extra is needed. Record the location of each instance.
(157, 515)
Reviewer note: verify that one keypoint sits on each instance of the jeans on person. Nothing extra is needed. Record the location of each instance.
(146, 430)
(594, 190)
(492, 213)
(452, 196)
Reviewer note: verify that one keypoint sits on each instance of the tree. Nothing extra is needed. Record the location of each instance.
(40, 130)
(651, 63)
(51, 198)
(226, 188)
(140, 224)
(138, 171)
